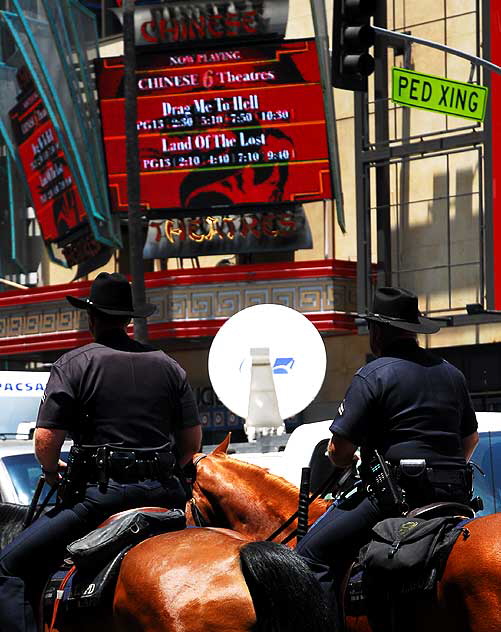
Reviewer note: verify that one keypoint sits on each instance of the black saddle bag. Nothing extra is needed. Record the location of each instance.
(406, 551)
(101, 545)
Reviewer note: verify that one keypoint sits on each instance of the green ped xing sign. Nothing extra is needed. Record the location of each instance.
(417, 90)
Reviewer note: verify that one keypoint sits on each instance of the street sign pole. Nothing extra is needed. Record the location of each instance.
(365, 158)
(403, 37)
(133, 182)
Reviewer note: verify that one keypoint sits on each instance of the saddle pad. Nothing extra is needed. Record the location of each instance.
(86, 582)
(72, 593)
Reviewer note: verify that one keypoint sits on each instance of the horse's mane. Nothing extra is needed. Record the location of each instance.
(11, 521)
(282, 487)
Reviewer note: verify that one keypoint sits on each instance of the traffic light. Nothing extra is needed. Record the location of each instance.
(352, 38)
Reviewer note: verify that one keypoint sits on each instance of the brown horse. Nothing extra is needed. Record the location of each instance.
(202, 580)
(246, 498)
(214, 579)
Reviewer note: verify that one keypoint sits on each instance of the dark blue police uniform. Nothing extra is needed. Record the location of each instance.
(112, 391)
(408, 404)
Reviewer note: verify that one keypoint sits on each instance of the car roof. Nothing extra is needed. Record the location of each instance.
(489, 421)
(10, 447)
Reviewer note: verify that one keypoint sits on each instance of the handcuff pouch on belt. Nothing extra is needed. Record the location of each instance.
(99, 464)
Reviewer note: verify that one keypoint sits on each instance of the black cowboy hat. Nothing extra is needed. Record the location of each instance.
(111, 294)
(399, 308)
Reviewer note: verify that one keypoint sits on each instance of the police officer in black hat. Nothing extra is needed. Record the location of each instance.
(414, 409)
(132, 415)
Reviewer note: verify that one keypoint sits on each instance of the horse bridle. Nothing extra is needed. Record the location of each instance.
(198, 517)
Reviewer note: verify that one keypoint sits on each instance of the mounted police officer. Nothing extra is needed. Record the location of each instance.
(411, 409)
(134, 420)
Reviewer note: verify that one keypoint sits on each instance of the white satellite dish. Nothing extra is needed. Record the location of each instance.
(296, 355)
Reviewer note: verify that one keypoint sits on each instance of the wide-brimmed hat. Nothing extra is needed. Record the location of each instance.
(399, 308)
(111, 294)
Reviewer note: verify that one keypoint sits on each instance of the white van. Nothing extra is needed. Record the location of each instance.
(20, 396)
(487, 457)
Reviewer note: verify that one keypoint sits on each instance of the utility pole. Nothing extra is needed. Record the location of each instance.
(133, 182)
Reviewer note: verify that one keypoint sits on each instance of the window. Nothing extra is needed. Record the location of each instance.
(24, 471)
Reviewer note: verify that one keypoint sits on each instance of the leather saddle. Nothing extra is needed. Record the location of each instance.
(86, 581)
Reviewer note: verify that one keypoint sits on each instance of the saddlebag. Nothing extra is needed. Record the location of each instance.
(398, 570)
(409, 553)
(103, 544)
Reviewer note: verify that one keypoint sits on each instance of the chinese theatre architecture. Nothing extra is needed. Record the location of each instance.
(191, 304)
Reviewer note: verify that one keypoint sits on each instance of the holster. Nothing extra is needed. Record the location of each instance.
(72, 487)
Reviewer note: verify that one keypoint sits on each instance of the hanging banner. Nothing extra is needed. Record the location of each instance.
(220, 127)
(58, 205)
(280, 230)
(56, 200)
(194, 21)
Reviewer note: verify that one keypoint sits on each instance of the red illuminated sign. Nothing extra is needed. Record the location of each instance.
(240, 126)
(177, 22)
(279, 229)
(57, 203)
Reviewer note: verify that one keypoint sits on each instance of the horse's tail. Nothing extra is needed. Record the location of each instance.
(286, 595)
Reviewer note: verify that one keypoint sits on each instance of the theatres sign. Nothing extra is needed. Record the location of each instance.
(178, 22)
(279, 230)
(234, 126)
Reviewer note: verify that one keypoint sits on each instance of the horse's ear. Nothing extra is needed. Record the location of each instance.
(223, 447)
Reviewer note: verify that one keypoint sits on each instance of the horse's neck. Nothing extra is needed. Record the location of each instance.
(247, 498)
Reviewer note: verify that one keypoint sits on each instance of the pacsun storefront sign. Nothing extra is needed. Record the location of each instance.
(180, 22)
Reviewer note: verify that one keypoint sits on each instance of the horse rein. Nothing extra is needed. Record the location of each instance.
(321, 489)
(318, 492)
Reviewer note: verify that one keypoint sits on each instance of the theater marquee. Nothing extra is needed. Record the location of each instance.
(278, 230)
(184, 22)
(220, 127)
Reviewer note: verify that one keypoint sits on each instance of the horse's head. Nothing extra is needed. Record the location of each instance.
(232, 493)
(207, 477)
